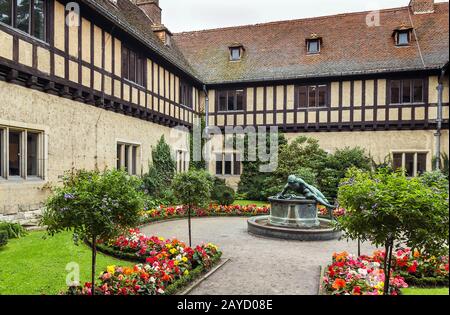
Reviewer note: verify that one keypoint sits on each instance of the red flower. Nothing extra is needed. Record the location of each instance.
(357, 290)
(413, 267)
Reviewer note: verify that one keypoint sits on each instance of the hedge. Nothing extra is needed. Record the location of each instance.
(425, 282)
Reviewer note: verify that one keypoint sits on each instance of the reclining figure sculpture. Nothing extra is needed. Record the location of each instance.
(305, 190)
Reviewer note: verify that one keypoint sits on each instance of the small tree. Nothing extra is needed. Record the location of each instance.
(298, 157)
(161, 172)
(198, 165)
(337, 164)
(94, 206)
(193, 189)
(387, 207)
(252, 180)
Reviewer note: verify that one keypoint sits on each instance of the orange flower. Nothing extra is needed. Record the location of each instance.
(341, 256)
(127, 271)
(338, 284)
(165, 277)
(416, 253)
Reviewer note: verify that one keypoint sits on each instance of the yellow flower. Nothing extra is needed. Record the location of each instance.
(111, 269)
(173, 251)
(184, 259)
(161, 238)
(186, 272)
(176, 262)
(380, 286)
(211, 245)
(169, 246)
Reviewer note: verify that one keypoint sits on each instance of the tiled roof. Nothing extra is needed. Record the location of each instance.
(134, 21)
(276, 51)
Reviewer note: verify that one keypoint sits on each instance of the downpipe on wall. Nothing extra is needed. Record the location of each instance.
(438, 134)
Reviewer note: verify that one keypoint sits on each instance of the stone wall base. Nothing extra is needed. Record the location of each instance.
(26, 216)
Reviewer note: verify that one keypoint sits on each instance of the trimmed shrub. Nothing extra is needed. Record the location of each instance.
(221, 193)
(3, 238)
(13, 230)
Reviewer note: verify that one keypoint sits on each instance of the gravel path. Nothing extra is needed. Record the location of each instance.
(257, 266)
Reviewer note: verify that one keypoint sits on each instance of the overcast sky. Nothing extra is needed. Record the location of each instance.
(189, 15)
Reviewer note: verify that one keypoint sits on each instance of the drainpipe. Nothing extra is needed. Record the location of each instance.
(440, 89)
(205, 90)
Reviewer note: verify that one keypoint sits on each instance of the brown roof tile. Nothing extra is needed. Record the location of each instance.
(277, 50)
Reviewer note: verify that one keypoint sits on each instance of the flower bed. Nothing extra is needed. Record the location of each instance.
(350, 275)
(420, 269)
(165, 266)
(364, 275)
(324, 212)
(164, 213)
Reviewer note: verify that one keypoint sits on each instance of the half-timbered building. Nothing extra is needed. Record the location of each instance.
(94, 84)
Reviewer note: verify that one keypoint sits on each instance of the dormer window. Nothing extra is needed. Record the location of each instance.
(313, 44)
(402, 36)
(236, 52)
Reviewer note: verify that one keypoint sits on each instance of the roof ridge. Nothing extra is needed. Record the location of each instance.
(291, 20)
(295, 20)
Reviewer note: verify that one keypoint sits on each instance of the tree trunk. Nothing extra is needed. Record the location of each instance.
(359, 247)
(189, 225)
(387, 266)
(94, 258)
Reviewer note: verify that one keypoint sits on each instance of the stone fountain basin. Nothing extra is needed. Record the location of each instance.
(260, 226)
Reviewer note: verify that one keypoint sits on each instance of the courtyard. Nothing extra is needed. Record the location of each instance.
(300, 154)
(290, 267)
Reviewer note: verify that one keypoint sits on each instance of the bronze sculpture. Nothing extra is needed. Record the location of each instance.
(305, 190)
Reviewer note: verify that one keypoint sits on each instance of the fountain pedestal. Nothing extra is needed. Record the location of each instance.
(293, 219)
(294, 213)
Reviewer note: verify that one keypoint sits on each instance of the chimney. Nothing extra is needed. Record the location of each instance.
(151, 9)
(422, 6)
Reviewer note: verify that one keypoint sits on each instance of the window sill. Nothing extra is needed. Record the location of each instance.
(185, 106)
(313, 108)
(407, 104)
(26, 35)
(241, 111)
(227, 176)
(137, 85)
(21, 181)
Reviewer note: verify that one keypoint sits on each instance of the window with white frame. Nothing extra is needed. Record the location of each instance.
(128, 158)
(414, 163)
(21, 153)
(228, 164)
(182, 160)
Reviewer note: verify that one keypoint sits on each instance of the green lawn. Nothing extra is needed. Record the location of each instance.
(35, 266)
(422, 291)
(250, 202)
